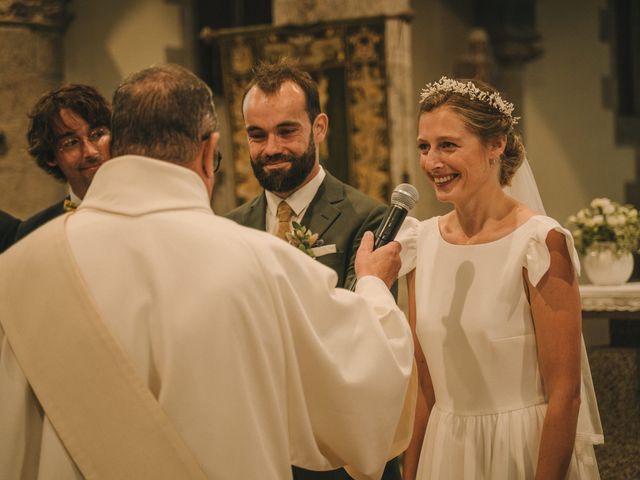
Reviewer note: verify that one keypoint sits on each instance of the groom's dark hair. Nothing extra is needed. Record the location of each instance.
(269, 77)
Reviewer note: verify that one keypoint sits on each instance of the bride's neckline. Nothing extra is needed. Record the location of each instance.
(490, 242)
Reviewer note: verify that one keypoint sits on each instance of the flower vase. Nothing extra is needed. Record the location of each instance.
(604, 266)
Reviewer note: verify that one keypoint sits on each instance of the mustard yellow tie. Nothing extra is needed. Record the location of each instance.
(284, 215)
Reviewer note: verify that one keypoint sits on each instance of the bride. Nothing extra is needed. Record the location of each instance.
(506, 390)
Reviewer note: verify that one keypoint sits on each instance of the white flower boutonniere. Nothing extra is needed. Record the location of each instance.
(302, 238)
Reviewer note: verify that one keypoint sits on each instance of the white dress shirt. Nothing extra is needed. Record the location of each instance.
(298, 201)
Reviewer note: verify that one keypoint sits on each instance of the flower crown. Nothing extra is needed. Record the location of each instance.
(468, 89)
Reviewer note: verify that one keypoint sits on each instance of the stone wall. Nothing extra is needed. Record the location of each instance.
(31, 62)
(311, 11)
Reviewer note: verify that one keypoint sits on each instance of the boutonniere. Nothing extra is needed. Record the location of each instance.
(302, 238)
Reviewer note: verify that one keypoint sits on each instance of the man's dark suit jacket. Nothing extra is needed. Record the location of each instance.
(39, 219)
(8, 227)
(340, 215)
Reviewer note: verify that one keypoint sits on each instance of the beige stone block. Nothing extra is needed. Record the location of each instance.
(31, 63)
(311, 11)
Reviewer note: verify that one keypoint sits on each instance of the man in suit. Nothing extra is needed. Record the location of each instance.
(69, 138)
(281, 109)
(284, 124)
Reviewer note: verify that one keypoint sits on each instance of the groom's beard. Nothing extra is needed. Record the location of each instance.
(285, 180)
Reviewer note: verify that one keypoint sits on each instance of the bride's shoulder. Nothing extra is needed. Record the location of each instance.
(522, 214)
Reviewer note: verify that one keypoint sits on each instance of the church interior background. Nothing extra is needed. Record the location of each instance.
(572, 68)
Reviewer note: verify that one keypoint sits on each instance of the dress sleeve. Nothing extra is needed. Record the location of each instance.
(537, 262)
(408, 239)
(538, 259)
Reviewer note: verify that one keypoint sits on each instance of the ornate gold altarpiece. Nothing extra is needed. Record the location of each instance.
(347, 59)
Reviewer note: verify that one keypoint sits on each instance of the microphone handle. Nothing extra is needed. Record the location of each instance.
(390, 225)
(386, 232)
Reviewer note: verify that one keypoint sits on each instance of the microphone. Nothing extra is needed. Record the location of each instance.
(404, 198)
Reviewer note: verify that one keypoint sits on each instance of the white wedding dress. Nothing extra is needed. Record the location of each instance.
(475, 328)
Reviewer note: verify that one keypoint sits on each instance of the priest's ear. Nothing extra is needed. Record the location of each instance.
(208, 152)
(206, 160)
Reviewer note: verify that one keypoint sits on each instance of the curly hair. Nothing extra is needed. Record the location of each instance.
(269, 77)
(83, 100)
(483, 120)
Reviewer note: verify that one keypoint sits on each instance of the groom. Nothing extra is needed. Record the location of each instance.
(284, 124)
(281, 110)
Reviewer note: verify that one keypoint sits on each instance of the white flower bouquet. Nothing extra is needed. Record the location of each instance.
(608, 222)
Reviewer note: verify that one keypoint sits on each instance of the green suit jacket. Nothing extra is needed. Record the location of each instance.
(338, 213)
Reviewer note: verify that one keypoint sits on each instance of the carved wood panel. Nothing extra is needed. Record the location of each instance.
(347, 60)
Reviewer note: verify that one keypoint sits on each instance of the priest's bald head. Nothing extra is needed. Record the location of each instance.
(167, 113)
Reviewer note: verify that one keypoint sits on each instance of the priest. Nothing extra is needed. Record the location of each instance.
(142, 336)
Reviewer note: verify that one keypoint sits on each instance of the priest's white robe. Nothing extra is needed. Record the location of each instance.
(256, 358)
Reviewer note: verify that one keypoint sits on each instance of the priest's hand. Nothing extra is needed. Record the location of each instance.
(384, 262)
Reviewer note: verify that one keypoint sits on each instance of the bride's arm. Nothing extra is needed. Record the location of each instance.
(425, 399)
(555, 305)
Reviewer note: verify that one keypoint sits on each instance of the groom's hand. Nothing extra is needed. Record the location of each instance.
(384, 262)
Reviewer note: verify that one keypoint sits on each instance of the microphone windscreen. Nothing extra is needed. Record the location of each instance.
(405, 196)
